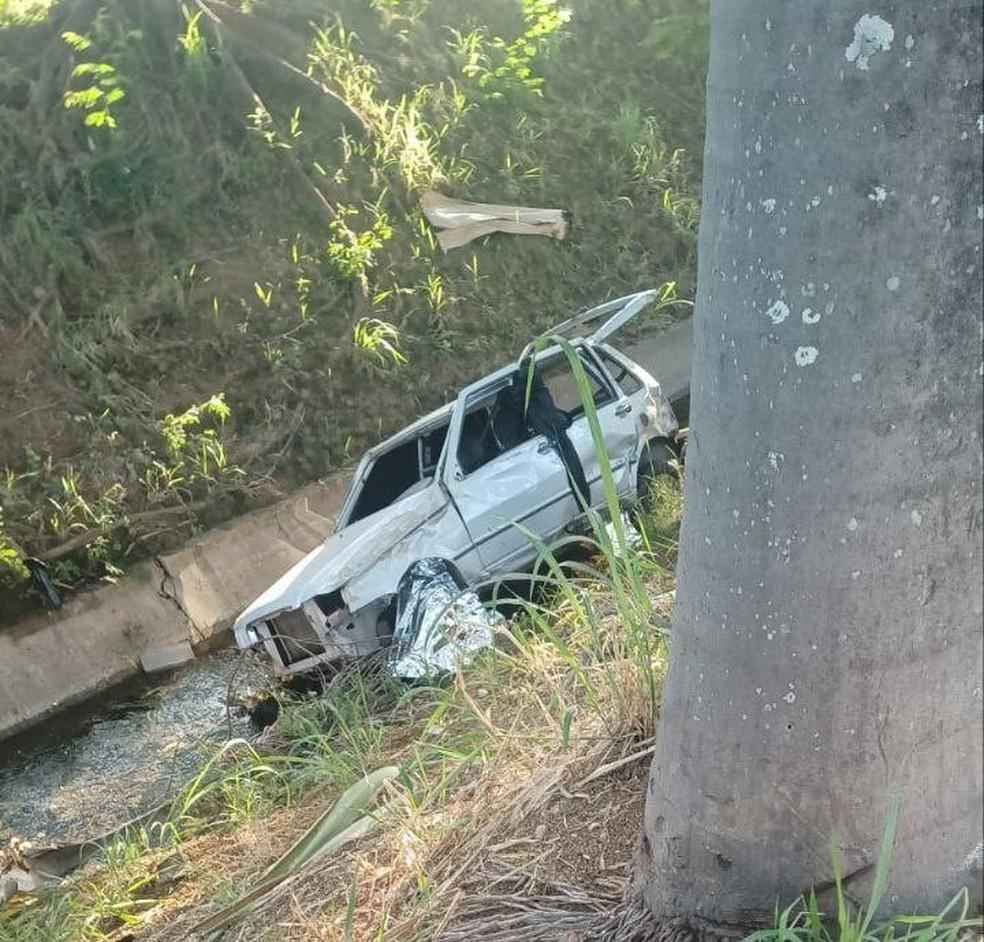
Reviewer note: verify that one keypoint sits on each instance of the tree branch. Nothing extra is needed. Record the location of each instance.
(250, 93)
(87, 536)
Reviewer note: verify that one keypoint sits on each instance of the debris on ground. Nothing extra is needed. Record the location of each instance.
(460, 222)
(632, 536)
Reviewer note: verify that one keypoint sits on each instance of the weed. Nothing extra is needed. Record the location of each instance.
(803, 921)
(104, 88)
(192, 40)
(501, 67)
(352, 254)
(378, 341)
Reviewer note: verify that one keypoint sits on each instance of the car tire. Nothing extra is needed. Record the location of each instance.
(658, 458)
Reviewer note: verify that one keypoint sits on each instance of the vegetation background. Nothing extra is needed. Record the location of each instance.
(215, 279)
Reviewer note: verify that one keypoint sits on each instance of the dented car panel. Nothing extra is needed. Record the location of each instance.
(347, 554)
(469, 483)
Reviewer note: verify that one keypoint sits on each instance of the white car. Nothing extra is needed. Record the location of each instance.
(467, 484)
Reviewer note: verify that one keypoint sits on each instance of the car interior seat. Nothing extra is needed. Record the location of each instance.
(473, 451)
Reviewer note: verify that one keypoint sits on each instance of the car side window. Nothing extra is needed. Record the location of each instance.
(495, 424)
(627, 381)
(559, 378)
(492, 426)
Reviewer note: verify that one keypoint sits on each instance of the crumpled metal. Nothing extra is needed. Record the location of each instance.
(440, 624)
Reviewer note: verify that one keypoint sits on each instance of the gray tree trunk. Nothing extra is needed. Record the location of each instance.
(827, 644)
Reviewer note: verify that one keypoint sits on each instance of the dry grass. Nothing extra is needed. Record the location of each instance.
(517, 825)
(516, 812)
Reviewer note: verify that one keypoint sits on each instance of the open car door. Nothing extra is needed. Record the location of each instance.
(613, 315)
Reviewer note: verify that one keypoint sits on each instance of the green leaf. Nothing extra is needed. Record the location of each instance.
(93, 68)
(77, 41)
(99, 119)
(86, 98)
(323, 835)
(884, 862)
(345, 821)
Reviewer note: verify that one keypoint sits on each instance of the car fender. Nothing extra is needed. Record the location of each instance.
(438, 536)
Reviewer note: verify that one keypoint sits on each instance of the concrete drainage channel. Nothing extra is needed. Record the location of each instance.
(88, 740)
(85, 772)
(56, 660)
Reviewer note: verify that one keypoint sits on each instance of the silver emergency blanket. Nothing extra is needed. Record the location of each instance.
(439, 624)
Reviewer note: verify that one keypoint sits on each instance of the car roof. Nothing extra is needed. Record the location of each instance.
(444, 412)
(608, 308)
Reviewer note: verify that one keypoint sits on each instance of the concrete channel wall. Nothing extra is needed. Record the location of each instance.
(52, 660)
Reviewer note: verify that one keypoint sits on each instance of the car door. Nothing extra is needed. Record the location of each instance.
(507, 491)
(616, 417)
(616, 312)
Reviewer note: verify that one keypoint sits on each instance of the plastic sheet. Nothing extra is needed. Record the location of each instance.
(459, 221)
(439, 626)
(633, 537)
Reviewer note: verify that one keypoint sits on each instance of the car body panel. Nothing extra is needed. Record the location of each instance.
(347, 554)
(618, 312)
(523, 490)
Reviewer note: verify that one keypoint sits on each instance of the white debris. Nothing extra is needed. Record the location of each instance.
(872, 34)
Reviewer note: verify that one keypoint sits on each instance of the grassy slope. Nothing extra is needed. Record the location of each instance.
(185, 253)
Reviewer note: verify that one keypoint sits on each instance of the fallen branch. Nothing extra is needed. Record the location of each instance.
(603, 770)
(249, 92)
(34, 318)
(224, 20)
(87, 536)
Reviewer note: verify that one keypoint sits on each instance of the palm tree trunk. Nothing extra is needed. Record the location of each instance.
(827, 643)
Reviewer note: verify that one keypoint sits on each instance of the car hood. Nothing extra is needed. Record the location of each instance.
(342, 556)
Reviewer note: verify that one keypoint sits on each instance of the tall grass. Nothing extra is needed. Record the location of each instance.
(804, 921)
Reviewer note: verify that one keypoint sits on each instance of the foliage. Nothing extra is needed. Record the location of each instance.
(188, 443)
(352, 254)
(21, 12)
(345, 821)
(192, 40)
(103, 90)
(379, 340)
(499, 66)
(12, 568)
(61, 503)
(210, 241)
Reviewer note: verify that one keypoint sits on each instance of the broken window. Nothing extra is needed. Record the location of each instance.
(558, 377)
(496, 422)
(493, 424)
(404, 470)
(627, 381)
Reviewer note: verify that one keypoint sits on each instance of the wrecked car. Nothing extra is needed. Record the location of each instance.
(468, 485)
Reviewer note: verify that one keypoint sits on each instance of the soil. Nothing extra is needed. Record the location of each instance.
(593, 834)
(38, 407)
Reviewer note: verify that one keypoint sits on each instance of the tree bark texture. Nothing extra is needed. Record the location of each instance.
(827, 643)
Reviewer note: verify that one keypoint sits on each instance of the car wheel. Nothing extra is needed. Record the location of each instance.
(658, 458)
